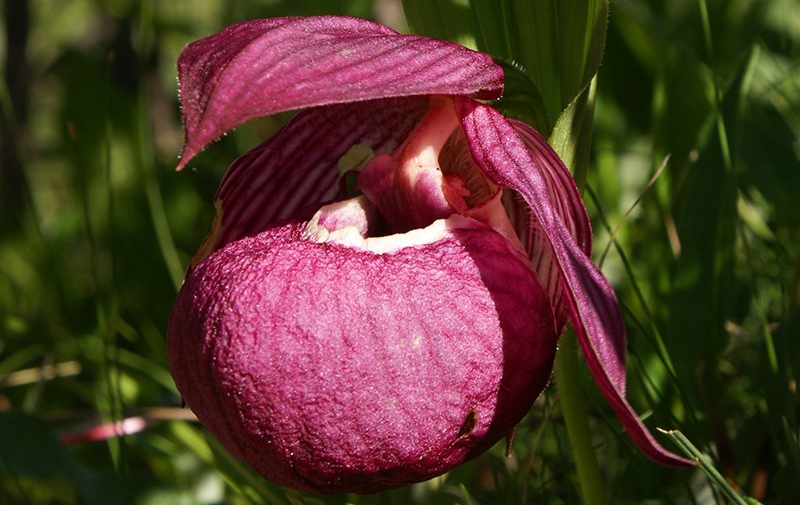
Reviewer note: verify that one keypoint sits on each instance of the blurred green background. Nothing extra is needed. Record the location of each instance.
(693, 188)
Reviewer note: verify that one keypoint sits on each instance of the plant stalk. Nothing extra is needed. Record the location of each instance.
(573, 407)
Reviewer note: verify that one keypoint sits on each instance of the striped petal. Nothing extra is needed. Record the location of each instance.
(566, 203)
(508, 161)
(289, 176)
(262, 67)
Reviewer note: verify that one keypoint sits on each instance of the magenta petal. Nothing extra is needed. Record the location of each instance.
(331, 368)
(262, 67)
(566, 203)
(564, 194)
(293, 173)
(505, 159)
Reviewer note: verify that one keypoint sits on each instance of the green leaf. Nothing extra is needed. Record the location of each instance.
(550, 49)
(558, 43)
(441, 19)
(521, 99)
(572, 135)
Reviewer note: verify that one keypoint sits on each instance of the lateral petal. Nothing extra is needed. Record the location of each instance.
(506, 160)
(290, 175)
(261, 67)
(564, 194)
(567, 204)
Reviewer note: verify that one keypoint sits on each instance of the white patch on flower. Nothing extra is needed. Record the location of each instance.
(346, 223)
(341, 219)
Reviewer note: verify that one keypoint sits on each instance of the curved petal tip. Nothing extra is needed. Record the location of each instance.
(262, 67)
(589, 298)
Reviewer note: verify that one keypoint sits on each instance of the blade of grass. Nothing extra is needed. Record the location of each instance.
(146, 159)
(628, 212)
(708, 468)
(107, 302)
(465, 494)
(651, 333)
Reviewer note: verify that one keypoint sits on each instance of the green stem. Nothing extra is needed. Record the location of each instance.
(573, 406)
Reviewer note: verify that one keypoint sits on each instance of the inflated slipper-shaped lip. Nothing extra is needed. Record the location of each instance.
(332, 368)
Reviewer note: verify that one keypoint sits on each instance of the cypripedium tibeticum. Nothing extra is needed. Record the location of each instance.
(384, 286)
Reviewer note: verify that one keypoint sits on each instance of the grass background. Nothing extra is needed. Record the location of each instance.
(693, 188)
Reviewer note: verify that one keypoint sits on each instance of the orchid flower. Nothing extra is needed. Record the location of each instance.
(384, 286)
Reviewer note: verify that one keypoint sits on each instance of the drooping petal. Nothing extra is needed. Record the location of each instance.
(591, 302)
(564, 194)
(262, 67)
(566, 203)
(291, 174)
